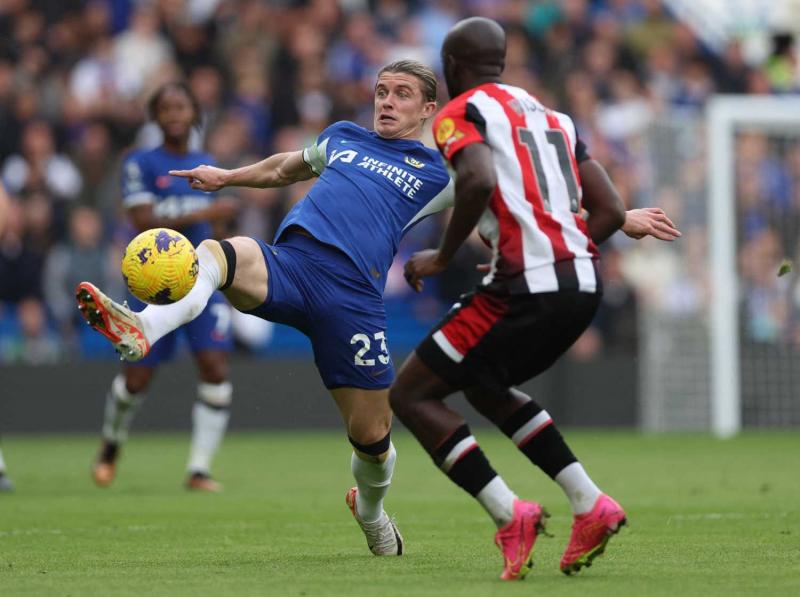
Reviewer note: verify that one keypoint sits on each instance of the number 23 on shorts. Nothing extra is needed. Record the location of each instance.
(365, 342)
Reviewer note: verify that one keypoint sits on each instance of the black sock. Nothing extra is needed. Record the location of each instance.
(461, 459)
(534, 433)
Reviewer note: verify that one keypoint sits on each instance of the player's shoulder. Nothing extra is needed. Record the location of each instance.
(136, 163)
(455, 108)
(344, 127)
(135, 155)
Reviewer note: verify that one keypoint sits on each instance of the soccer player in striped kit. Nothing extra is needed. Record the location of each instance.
(524, 178)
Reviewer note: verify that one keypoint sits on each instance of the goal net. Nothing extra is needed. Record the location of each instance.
(720, 328)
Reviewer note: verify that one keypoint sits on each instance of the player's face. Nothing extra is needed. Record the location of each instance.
(400, 106)
(175, 114)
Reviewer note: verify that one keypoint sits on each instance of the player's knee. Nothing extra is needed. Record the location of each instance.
(368, 430)
(399, 400)
(244, 251)
(215, 372)
(247, 280)
(376, 450)
(215, 395)
(225, 255)
(137, 379)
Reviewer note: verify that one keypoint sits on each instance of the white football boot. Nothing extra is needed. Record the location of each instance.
(383, 538)
(116, 322)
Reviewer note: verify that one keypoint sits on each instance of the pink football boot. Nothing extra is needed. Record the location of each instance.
(516, 539)
(591, 532)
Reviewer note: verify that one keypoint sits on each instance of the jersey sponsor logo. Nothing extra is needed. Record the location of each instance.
(399, 177)
(343, 155)
(412, 162)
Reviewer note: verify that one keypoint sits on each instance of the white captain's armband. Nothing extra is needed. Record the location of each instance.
(445, 199)
(315, 156)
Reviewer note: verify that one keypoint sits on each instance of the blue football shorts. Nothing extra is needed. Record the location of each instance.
(211, 330)
(317, 289)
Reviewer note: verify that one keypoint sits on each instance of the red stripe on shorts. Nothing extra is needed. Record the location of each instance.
(472, 322)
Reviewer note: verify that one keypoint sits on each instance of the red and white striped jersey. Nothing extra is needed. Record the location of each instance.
(533, 223)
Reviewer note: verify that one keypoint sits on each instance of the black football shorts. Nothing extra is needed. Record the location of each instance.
(498, 341)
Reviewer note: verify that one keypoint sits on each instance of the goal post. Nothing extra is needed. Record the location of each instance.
(725, 116)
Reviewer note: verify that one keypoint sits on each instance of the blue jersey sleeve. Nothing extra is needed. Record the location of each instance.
(135, 184)
(316, 155)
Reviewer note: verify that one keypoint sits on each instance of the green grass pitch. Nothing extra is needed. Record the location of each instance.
(706, 518)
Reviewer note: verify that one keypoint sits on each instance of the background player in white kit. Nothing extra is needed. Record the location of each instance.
(523, 177)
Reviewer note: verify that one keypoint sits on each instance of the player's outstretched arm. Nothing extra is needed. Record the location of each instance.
(607, 212)
(475, 183)
(601, 200)
(277, 170)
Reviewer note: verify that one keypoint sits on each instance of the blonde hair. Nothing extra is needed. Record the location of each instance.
(425, 75)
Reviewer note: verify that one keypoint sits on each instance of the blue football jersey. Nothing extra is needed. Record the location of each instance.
(369, 191)
(146, 179)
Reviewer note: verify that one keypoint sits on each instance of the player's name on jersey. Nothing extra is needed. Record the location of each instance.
(400, 177)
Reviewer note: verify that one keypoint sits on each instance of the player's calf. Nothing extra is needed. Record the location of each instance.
(372, 466)
(120, 410)
(210, 416)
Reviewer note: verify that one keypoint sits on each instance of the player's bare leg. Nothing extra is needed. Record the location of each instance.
(122, 401)
(210, 415)
(596, 516)
(368, 420)
(417, 399)
(235, 265)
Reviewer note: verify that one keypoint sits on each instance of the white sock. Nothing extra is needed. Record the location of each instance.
(2, 463)
(121, 407)
(210, 416)
(373, 480)
(498, 500)
(580, 489)
(160, 320)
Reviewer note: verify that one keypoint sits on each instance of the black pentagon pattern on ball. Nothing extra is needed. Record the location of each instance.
(162, 297)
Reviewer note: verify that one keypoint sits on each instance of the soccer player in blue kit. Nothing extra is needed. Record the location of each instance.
(153, 198)
(326, 272)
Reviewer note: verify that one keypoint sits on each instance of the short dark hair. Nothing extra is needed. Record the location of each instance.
(152, 103)
(418, 70)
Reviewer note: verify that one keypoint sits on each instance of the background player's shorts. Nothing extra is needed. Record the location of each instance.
(317, 289)
(211, 330)
(498, 341)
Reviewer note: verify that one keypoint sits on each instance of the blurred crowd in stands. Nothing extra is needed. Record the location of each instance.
(271, 74)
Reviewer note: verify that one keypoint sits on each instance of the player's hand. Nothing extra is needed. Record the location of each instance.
(204, 178)
(422, 264)
(649, 221)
